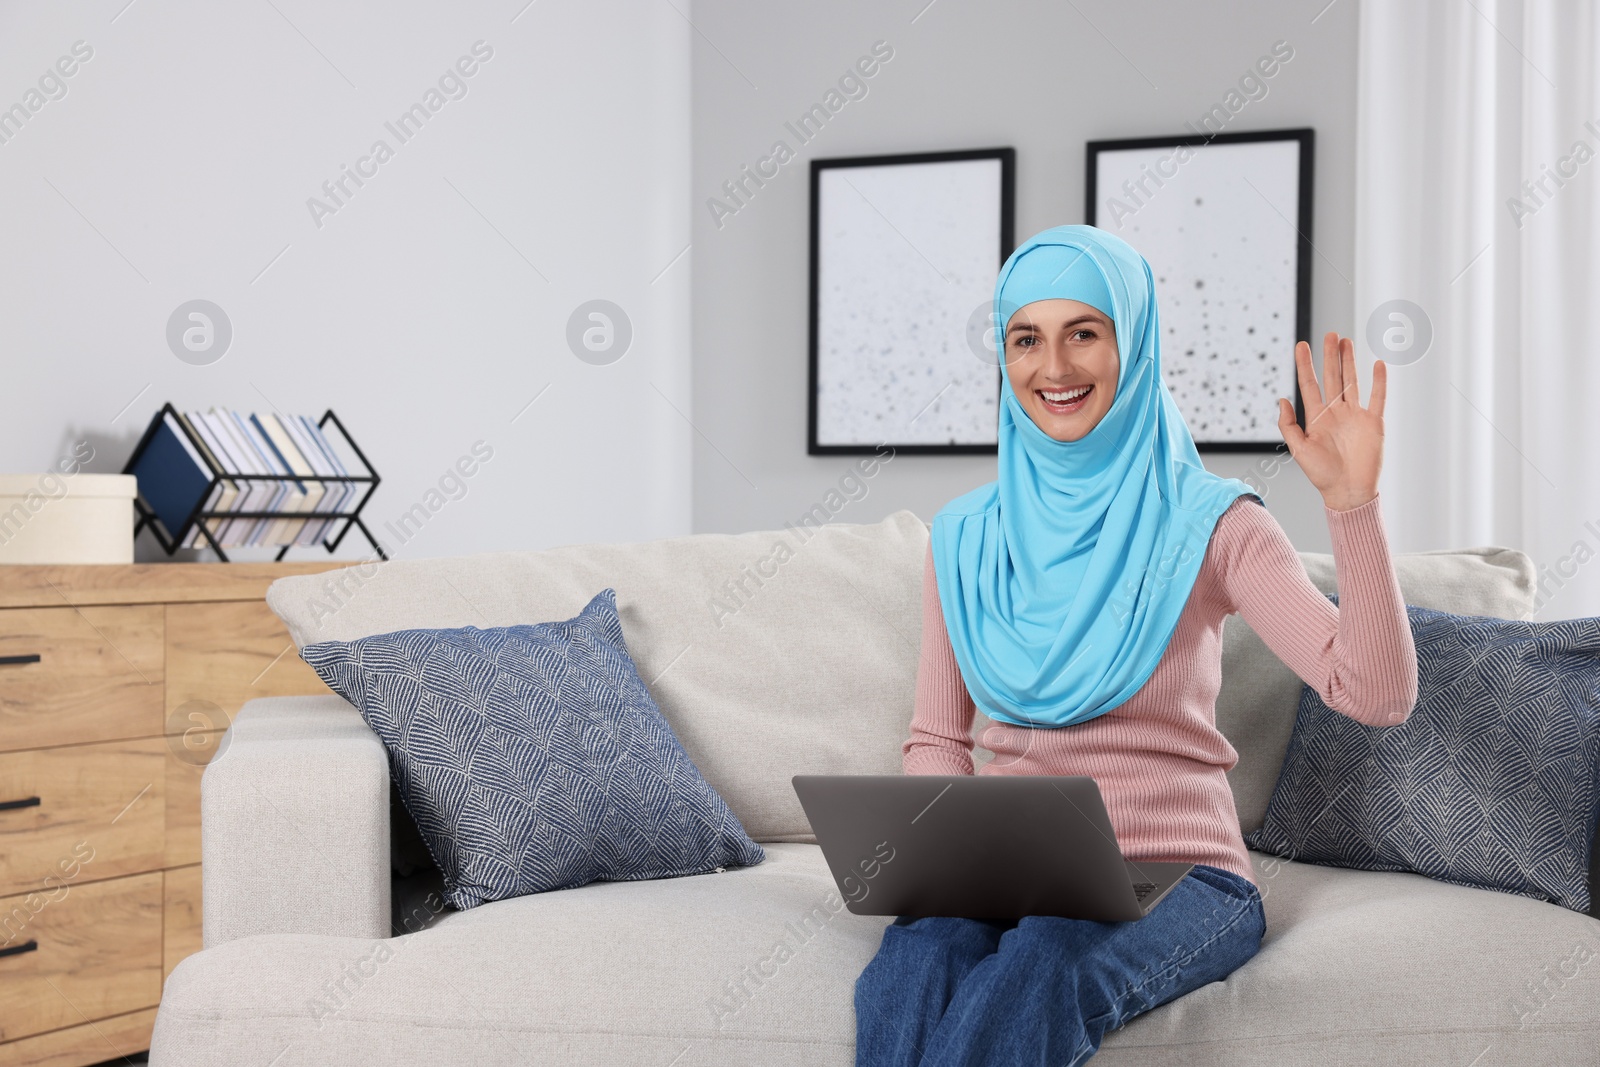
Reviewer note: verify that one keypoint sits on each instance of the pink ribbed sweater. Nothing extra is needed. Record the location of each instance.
(1159, 759)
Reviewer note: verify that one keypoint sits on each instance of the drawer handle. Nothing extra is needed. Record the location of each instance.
(17, 950)
(13, 661)
(25, 802)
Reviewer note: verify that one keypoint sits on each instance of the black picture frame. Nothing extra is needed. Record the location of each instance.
(1007, 159)
(1306, 138)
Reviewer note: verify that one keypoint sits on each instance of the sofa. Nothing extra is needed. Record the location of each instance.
(774, 654)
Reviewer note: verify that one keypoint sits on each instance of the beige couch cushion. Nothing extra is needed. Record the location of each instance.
(772, 654)
(613, 973)
(1357, 967)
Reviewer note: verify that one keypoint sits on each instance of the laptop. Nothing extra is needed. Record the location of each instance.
(995, 847)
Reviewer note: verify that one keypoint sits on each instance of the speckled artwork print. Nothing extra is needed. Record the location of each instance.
(906, 254)
(1222, 243)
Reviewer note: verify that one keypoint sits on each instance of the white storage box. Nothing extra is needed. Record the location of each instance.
(66, 518)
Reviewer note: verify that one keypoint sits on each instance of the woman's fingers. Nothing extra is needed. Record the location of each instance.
(1292, 433)
(1380, 388)
(1347, 368)
(1310, 395)
(1332, 371)
(1340, 379)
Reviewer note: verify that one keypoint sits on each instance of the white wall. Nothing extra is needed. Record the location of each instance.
(428, 310)
(1044, 78)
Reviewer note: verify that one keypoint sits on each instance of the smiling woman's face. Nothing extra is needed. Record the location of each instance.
(1061, 357)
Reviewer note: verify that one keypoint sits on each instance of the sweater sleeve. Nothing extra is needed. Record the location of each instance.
(941, 727)
(1358, 656)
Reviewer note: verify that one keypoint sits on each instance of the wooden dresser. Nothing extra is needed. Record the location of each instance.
(115, 685)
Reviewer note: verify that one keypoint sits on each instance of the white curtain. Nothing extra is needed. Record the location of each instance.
(1477, 199)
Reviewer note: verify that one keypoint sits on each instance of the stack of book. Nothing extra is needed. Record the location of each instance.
(278, 474)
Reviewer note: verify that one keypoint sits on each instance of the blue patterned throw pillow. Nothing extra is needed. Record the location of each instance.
(533, 757)
(1492, 782)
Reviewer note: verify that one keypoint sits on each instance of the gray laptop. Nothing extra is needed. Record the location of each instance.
(978, 847)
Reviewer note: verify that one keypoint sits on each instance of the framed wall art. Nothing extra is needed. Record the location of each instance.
(1225, 222)
(904, 254)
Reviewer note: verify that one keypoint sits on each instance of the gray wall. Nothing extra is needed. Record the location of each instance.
(428, 311)
(1044, 78)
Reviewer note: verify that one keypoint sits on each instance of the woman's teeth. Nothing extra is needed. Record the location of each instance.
(1065, 400)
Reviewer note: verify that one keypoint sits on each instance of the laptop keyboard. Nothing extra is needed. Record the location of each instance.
(1143, 889)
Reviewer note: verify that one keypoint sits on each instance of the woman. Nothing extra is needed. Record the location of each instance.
(1078, 602)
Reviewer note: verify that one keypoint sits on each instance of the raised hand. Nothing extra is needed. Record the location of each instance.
(1341, 448)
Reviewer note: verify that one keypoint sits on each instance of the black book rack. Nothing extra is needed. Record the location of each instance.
(171, 540)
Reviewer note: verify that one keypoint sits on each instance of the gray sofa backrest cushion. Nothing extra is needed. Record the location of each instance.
(771, 654)
(790, 652)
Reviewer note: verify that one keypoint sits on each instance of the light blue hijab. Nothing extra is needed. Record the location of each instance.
(1062, 582)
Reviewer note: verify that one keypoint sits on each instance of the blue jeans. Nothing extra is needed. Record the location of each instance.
(1045, 990)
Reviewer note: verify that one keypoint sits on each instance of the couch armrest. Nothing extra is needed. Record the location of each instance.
(294, 824)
